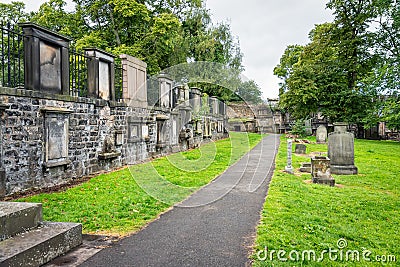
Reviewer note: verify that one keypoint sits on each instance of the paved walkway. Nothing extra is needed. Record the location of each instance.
(214, 227)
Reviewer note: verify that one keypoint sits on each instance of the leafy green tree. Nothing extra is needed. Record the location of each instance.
(13, 12)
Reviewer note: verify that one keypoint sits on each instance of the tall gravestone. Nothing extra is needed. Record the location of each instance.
(321, 134)
(341, 150)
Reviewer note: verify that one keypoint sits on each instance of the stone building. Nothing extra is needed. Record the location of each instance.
(72, 115)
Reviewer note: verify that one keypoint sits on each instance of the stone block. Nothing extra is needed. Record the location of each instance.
(300, 149)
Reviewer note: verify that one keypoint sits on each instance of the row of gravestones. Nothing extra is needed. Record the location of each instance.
(340, 158)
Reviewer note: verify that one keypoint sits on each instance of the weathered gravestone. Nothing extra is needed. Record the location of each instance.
(341, 150)
(300, 149)
(321, 135)
(321, 171)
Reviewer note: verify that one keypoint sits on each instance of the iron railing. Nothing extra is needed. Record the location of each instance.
(12, 56)
(118, 82)
(78, 82)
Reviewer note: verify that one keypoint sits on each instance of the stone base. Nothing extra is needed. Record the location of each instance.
(305, 167)
(344, 170)
(289, 170)
(326, 181)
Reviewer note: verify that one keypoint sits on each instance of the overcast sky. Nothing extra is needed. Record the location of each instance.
(264, 28)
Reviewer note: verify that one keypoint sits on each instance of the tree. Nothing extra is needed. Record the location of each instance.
(13, 12)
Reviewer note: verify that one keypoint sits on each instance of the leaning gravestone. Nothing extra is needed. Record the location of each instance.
(341, 150)
(321, 135)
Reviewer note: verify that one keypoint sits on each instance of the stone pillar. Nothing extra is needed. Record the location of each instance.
(341, 150)
(195, 99)
(134, 85)
(165, 87)
(289, 167)
(46, 59)
(100, 74)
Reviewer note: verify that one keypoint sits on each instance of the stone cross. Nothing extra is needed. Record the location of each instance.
(289, 167)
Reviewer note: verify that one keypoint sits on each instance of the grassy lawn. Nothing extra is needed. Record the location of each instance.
(124, 201)
(364, 212)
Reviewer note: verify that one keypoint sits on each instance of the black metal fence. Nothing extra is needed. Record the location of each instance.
(78, 85)
(12, 64)
(118, 81)
(12, 56)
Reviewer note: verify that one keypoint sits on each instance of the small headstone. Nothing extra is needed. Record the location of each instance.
(321, 171)
(289, 167)
(321, 135)
(341, 150)
(300, 149)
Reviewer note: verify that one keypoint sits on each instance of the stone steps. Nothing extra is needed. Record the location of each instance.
(29, 242)
(18, 217)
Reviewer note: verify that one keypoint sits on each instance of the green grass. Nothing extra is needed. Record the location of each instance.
(364, 211)
(124, 201)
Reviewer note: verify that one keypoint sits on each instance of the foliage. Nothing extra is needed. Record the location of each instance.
(299, 128)
(349, 70)
(114, 203)
(302, 217)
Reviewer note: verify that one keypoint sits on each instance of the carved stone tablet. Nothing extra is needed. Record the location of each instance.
(50, 67)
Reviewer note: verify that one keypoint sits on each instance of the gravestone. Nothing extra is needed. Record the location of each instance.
(56, 136)
(289, 167)
(321, 135)
(300, 149)
(341, 150)
(321, 171)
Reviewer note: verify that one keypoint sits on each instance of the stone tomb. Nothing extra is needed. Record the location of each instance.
(321, 171)
(341, 150)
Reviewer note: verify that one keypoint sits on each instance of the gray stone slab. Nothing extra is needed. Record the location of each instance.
(17, 217)
(39, 246)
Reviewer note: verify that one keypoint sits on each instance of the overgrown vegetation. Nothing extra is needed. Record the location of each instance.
(299, 216)
(115, 203)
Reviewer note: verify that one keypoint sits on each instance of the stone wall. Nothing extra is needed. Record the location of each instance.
(49, 136)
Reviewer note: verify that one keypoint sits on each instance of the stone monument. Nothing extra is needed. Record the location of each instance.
(321, 171)
(289, 167)
(341, 150)
(300, 149)
(321, 134)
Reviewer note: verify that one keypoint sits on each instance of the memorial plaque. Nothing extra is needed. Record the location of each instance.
(104, 80)
(145, 131)
(50, 67)
(119, 138)
(133, 131)
(57, 139)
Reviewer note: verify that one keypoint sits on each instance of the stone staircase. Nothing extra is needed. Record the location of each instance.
(27, 241)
